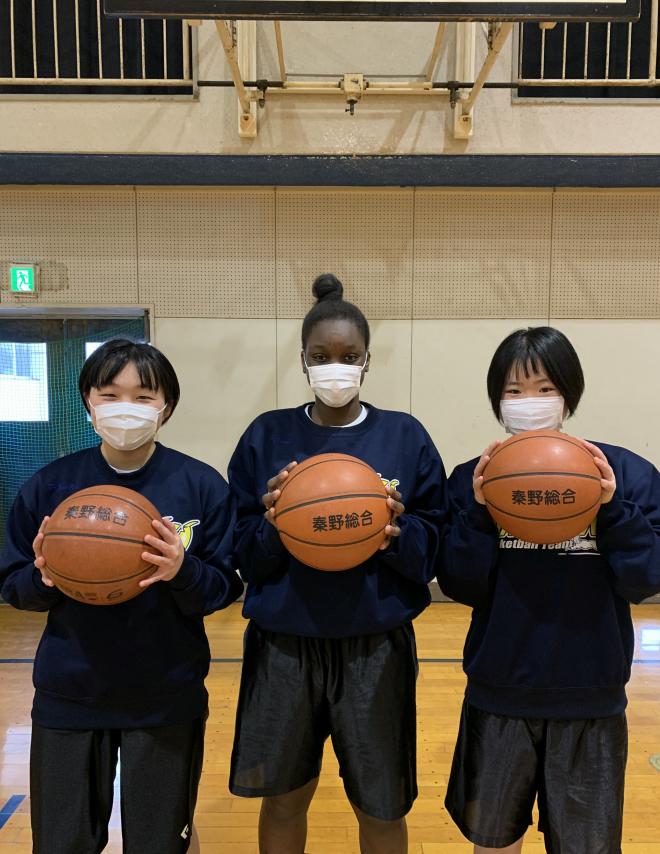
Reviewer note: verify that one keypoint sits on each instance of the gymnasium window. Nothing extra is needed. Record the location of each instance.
(23, 382)
(611, 53)
(69, 46)
(91, 346)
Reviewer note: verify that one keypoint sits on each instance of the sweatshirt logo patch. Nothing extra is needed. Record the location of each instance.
(394, 483)
(184, 530)
(581, 544)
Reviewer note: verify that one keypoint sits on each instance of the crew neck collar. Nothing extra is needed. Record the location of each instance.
(351, 430)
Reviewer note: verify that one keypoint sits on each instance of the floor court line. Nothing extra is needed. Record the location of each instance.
(8, 809)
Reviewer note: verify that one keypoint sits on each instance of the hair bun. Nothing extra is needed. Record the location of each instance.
(327, 287)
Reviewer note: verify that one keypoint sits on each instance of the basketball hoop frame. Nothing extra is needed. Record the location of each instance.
(380, 10)
(235, 23)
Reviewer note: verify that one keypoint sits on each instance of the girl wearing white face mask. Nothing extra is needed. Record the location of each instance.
(332, 653)
(128, 677)
(551, 639)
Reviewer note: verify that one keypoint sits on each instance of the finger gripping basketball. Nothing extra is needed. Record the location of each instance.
(332, 512)
(94, 541)
(542, 486)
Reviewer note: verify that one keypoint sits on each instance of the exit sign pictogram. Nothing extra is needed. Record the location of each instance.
(23, 278)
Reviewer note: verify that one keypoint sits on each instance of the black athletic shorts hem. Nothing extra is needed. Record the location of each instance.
(374, 811)
(273, 792)
(485, 841)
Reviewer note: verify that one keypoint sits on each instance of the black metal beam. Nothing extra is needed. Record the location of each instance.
(440, 170)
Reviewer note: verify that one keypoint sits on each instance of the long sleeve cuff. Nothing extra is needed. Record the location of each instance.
(612, 513)
(272, 541)
(187, 575)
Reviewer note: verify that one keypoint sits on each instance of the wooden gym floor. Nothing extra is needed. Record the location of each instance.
(228, 825)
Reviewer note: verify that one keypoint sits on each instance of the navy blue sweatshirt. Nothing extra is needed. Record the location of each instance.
(551, 633)
(386, 591)
(141, 663)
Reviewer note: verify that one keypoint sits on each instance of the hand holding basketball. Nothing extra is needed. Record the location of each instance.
(274, 491)
(477, 477)
(95, 545)
(333, 511)
(39, 559)
(608, 481)
(171, 551)
(397, 508)
(544, 487)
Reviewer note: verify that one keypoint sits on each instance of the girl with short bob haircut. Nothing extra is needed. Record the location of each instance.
(550, 644)
(129, 678)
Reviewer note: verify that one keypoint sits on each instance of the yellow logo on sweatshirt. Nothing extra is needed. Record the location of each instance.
(184, 530)
(394, 483)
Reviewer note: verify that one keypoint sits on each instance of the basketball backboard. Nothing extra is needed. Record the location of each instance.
(396, 10)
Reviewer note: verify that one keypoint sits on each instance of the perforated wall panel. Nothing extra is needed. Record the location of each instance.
(253, 253)
(363, 236)
(481, 254)
(207, 253)
(228, 376)
(82, 239)
(619, 405)
(606, 255)
(450, 360)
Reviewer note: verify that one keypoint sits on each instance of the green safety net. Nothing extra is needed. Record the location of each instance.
(41, 414)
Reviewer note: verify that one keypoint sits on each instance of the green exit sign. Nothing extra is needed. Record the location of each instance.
(23, 278)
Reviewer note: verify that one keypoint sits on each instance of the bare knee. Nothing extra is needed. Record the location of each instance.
(283, 807)
(378, 827)
(287, 808)
(381, 837)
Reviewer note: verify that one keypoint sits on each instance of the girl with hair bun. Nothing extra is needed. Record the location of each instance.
(333, 653)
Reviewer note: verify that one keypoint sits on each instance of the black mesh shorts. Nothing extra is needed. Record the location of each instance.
(297, 691)
(575, 768)
(72, 774)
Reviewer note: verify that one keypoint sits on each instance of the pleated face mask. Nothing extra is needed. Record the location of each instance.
(532, 413)
(126, 426)
(335, 384)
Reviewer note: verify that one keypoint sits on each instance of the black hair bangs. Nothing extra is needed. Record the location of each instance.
(525, 365)
(115, 362)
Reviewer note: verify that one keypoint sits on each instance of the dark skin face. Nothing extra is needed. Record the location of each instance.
(340, 342)
(335, 342)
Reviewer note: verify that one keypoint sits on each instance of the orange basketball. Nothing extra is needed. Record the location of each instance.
(94, 541)
(332, 512)
(542, 486)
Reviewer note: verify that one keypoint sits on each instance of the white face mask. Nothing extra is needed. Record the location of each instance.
(126, 426)
(335, 384)
(519, 414)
